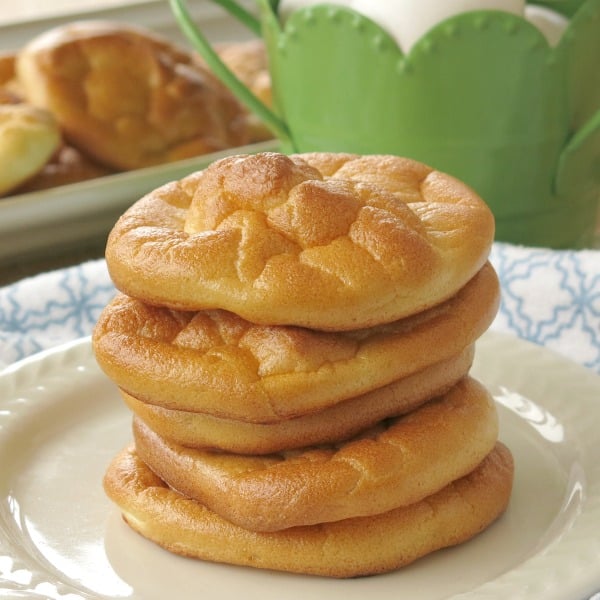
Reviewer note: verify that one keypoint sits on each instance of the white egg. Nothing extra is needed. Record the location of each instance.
(548, 21)
(409, 20)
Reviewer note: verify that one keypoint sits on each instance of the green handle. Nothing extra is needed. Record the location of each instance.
(214, 62)
(578, 163)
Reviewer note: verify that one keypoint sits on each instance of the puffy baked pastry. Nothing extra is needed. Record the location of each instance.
(332, 424)
(321, 241)
(293, 335)
(217, 363)
(394, 463)
(127, 97)
(347, 548)
(29, 136)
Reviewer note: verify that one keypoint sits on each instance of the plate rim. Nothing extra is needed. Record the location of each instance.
(24, 373)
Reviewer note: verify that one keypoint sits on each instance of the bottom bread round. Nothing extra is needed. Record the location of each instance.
(348, 548)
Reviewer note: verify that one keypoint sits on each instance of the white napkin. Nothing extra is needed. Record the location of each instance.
(551, 298)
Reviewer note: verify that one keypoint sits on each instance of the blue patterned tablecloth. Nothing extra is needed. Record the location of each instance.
(549, 297)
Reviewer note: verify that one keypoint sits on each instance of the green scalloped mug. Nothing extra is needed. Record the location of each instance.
(482, 96)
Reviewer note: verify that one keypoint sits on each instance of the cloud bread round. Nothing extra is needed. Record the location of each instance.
(29, 136)
(395, 463)
(341, 421)
(67, 166)
(126, 97)
(348, 548)
(217, 363)
(274, 240)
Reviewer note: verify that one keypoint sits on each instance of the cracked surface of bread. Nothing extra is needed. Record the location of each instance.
(274, 240)
(215, 362)
(348, 548)
(395, 463)
(127, 97)
(345, 419)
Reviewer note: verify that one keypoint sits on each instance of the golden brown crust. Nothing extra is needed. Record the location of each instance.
(127, 97)
(341, 421)
(270, 238)
(349, 548)
(29, 136)
(395, 463)
(214, 362)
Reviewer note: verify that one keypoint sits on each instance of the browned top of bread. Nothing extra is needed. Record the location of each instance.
(324, 241)
(127, 97)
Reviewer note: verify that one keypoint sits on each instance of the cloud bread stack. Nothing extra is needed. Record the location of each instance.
(293, 336)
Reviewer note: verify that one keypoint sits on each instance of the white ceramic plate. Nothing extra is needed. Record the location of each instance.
(61, 421)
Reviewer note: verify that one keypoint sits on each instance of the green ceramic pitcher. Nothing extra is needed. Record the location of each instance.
(481, 96)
